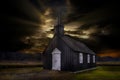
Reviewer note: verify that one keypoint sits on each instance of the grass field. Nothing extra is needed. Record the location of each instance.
(37, 73)
(101, 73)
(19, 64)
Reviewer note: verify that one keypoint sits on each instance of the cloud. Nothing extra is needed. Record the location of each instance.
(16, 23)
(110, 53)
(95, 22)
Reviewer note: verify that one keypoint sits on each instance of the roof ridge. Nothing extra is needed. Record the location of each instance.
(76, 45)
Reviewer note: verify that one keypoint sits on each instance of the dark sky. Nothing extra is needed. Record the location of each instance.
(95, 22)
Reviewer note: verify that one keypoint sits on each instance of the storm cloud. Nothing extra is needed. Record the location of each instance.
(25, 24)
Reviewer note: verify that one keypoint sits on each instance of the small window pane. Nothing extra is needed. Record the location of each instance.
(88, 58)
(80, 58)
(93, 58)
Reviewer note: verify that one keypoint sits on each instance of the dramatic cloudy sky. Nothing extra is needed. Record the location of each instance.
(27, 25)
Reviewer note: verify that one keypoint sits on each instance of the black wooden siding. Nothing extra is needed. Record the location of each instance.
(66, 56)
(69, 58)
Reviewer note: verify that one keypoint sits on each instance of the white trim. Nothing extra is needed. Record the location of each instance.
(56, 51)
(94, 59)
(56, 59)
(80, 57)
(88, 58)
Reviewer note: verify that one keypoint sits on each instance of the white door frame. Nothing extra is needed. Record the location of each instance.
(56, 59)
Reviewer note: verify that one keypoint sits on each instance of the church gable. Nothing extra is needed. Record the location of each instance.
(56, 50)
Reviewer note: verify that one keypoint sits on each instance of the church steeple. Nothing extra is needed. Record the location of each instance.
(59, 21)
(59, 27)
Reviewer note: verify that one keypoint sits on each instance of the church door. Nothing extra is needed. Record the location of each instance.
(56, 59)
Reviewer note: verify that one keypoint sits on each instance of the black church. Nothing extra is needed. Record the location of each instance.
(67, 54)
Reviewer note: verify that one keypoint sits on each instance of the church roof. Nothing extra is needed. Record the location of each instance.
(76, 45)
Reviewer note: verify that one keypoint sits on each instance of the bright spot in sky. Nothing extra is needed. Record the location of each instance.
(84, 36)
(79, 36)
(73, 26)
(48, 20)
(47, 12)
(50, 35)
(86, 32)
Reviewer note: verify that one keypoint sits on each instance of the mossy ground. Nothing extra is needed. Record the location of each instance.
(37, 73)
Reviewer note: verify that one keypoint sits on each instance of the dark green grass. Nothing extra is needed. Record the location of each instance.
(37, 73)
(19, 64)
(101, 73)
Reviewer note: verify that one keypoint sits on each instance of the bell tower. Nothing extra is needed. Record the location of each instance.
(59, 27)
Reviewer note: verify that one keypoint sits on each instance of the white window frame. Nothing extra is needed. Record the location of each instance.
(94, 59)
(88, 58)
(80, 57)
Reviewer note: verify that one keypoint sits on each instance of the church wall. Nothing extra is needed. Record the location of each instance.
(69, 58)
(66, 56)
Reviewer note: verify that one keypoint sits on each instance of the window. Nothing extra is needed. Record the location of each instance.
(93, 58)
(88, 58)
(80, 57)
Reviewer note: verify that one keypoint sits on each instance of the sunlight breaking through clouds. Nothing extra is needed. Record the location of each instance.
(73, 26)
(73, 23)
(47, 21)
